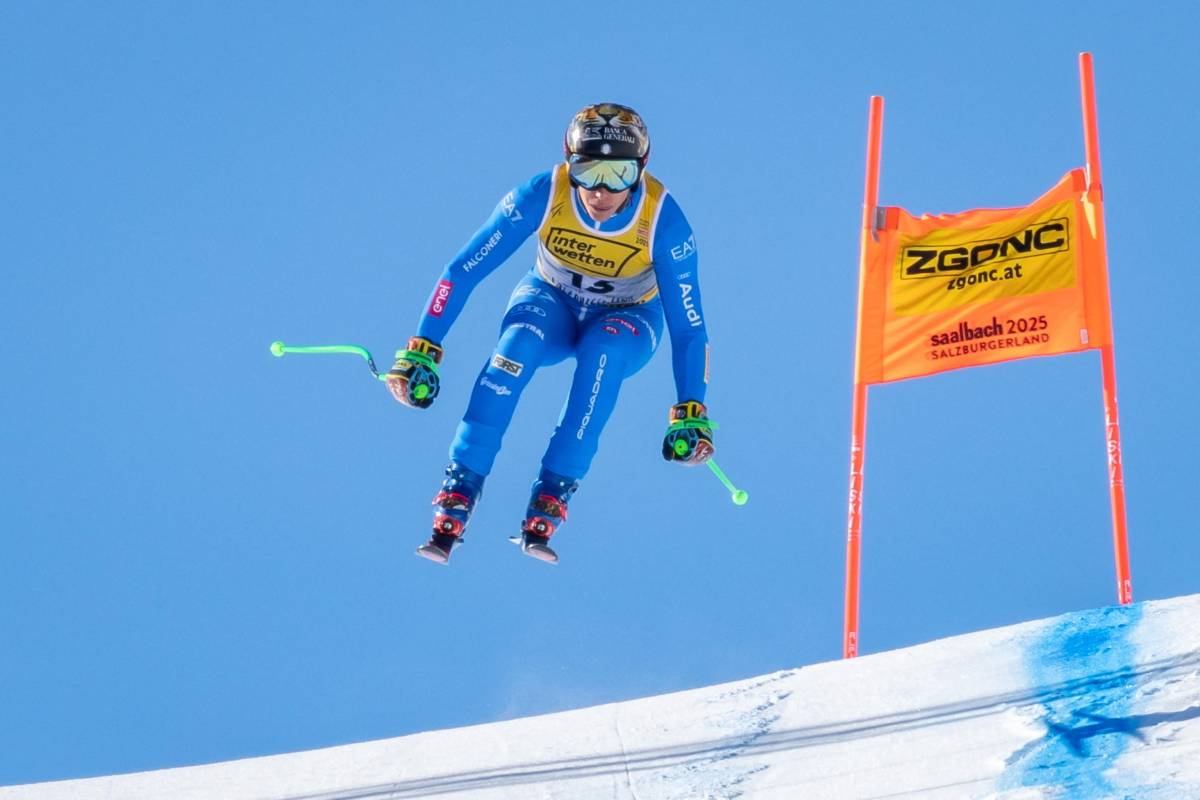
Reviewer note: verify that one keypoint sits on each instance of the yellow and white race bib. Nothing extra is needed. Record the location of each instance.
(596, 267)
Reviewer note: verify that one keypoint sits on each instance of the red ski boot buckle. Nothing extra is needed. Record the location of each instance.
(550, 505)
(449, 500)
(540, 526)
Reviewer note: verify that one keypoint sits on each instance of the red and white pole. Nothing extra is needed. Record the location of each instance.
(1112, 424)
(858, 425)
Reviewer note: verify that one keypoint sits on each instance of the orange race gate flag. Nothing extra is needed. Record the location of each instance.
(980, 287)
(960, 290)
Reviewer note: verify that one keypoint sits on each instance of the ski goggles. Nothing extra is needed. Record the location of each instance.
(614, 175)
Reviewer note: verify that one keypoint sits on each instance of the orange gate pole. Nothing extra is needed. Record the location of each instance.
(1112, 424)
(858, 425)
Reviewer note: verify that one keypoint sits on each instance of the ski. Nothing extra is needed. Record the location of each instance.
(439, 547)
(535, 547)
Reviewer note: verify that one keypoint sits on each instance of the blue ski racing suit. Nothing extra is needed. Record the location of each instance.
(598, 291)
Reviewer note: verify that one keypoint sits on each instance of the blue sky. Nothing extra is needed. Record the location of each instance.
(207, 552)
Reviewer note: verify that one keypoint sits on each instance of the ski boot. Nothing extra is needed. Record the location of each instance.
(547, 510)
(452, 507)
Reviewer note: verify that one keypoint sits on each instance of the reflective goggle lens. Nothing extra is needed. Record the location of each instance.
(616, 176)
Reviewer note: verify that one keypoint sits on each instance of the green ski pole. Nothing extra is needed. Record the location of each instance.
(278, 349)
(738, 496)
(419, 391)
(683, 445)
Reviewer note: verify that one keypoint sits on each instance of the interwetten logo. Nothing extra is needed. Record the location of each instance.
(593, 254)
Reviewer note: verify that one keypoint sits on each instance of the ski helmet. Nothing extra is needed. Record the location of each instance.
(608, 131)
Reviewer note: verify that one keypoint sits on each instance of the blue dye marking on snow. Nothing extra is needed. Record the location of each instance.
(1083, 668)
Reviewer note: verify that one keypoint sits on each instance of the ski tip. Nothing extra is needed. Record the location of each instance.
(541, 552)
(536, 550)
(433, 553)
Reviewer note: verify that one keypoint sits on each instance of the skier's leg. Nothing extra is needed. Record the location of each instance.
(452, 508)
(611, 347)
(537, 330)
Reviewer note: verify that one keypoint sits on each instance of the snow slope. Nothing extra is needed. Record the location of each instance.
(1097, 704)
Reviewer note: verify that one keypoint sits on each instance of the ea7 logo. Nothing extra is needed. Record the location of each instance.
(680, 252)
(510, 207)
(1042, 238)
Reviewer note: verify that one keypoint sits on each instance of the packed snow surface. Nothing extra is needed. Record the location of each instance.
(1096, 704)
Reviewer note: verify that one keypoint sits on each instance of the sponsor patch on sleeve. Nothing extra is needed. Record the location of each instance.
(441, 296)
(682, 251)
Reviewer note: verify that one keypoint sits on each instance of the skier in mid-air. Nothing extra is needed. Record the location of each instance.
(615, 255)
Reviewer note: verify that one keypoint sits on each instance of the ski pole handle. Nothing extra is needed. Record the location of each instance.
(738, 496)
(279, 348)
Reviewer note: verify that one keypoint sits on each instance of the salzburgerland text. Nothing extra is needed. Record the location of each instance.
(995, 335)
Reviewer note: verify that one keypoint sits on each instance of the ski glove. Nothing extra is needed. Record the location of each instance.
(413, 379)
(689, 438)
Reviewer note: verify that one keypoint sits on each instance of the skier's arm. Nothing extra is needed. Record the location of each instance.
(515, 217)
(413, 379)
(689, 438)
(675, 267)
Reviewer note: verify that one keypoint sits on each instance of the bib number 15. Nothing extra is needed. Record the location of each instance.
(586, 284)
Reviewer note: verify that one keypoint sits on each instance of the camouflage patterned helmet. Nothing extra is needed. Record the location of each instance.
(608, 131)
